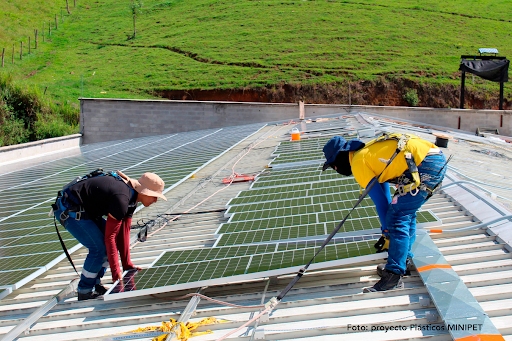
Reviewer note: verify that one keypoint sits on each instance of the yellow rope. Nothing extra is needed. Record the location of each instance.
(183, 331)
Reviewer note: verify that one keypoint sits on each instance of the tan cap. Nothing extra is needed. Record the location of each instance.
(149, 184)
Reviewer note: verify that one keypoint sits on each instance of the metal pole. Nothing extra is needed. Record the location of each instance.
(462, 84)
(185, 316)
(41, 311)
(501, 95)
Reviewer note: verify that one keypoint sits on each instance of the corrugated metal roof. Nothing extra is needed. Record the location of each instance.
(324, 305)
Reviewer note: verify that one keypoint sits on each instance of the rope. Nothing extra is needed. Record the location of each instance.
(263, 312)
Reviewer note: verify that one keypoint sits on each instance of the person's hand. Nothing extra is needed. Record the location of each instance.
(132, 267)
(116, 276)
(128, 282)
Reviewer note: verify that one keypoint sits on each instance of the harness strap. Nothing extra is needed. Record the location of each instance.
(62, 242)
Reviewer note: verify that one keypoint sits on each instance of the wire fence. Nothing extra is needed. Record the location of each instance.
(25, 47)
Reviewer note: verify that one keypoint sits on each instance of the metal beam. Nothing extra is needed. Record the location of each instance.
(41, 311)
(461, 313)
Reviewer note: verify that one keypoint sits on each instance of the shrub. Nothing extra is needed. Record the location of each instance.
(25, 115)
(52, 126)
(12, 129)
(411, 97)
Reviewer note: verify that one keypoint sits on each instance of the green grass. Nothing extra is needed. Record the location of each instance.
(206, 44)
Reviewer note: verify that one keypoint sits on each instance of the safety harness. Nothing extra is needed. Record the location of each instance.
(75, 210)
(410, 182)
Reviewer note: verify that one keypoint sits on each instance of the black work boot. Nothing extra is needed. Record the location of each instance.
(88, 296)
(100, 289)
(389, 281)
(409, 266)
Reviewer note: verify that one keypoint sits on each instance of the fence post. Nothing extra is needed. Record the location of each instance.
(3, 54)
(13, 53)
(74, 3)
(21, 50)
(28, 44)
(56, 21)
(43, 31)
(49, 29)
(35, 36)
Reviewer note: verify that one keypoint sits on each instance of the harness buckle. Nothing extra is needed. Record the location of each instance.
(64, 216)
(402, 142)
(78, 215)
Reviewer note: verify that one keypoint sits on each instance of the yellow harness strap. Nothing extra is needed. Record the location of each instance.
(402, 140)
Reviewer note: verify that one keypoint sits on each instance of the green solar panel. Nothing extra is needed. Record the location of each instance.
(28, 261)
(344, 206)
(196, 255)
(352, 224)
(321, 177)
(33, 239)
(288, 176)
(299, 173)
(274, 234)
(267, 197)
(191, 274)
(295, 191)
(11, 277)
(282, 212)
(312, 199)
(303, 157)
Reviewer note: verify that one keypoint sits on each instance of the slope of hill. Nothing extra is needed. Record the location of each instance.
(388, 53)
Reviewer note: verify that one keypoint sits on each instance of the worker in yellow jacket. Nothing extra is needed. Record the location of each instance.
(417, 168)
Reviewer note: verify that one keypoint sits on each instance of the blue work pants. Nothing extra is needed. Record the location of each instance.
(401, 215)
(90, 235)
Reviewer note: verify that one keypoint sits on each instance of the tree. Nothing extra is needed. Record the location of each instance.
(136, 9)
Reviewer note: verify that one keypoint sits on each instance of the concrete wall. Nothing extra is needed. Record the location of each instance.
(114, 119)
(25, 151)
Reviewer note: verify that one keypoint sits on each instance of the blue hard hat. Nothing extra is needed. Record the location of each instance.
(339, 144)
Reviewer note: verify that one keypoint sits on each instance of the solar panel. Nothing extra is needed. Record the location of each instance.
(271, 183)
(179, 276)
(28, 242)
(293, 191)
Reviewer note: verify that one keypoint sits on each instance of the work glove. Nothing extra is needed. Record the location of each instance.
(382, 244)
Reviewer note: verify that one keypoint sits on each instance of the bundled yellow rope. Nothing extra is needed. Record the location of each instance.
(183, 331)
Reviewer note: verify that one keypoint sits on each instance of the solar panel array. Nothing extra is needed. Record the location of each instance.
(274, 227)
(28, 241)
(193, 268)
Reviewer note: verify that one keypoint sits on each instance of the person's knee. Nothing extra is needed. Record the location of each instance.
(98, 250)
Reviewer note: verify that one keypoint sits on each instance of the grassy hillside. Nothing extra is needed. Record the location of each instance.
(207, 44)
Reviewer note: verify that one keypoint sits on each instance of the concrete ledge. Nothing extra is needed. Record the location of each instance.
(24, 151)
